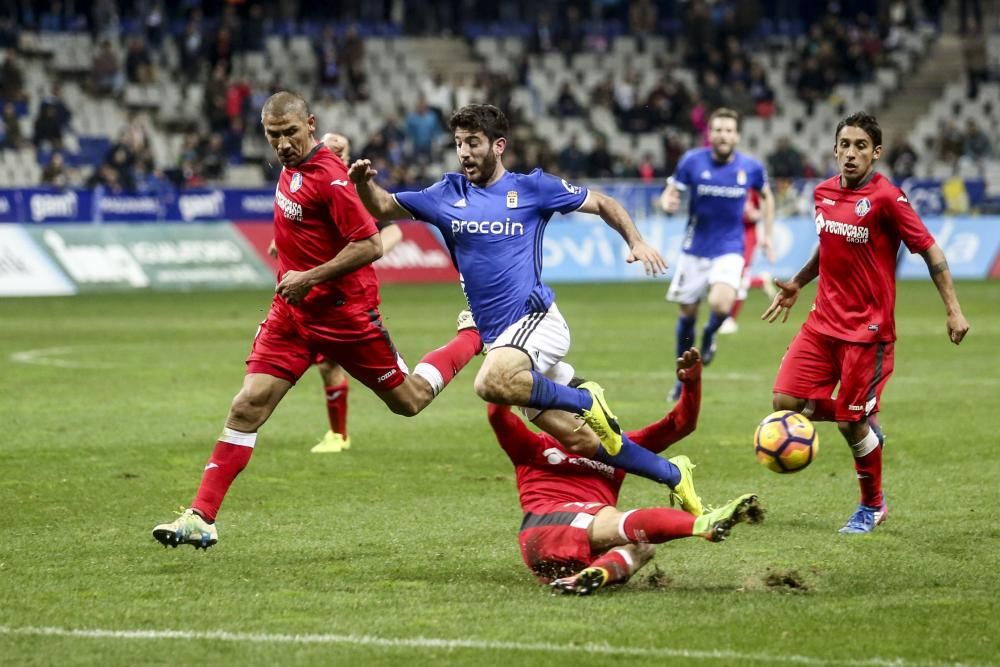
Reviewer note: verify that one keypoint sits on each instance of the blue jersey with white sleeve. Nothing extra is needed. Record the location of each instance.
(717, 193)
(495, 234)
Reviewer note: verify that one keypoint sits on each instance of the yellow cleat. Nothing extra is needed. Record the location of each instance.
(715, 525)
(188, 528)
(601, 420)
(684, 492)
(332, 443)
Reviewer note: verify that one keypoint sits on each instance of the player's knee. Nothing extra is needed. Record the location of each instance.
(404, 406)
(786, 402)
(248, 409)
(852, 431)
(491, 387)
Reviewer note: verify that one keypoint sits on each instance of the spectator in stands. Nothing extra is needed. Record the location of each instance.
(976, 58)
(566, 104)
(138, 62)
(812, 83)
(951, 143)
(740, 99)
(642, 16)
(104, 19)
(8, 32)
(901, 158)
(55, 173)
(107, 178)
(785, 161)
(352, 50)
(11, 78)
(121, 160)
(192, 50)
(106, 72)
(571, 160)
(213, 158)
(10, 127)
(54, 99)
(600, 164)
(328, 62)
(423, 128)
(253, 28)
(646, 170)
(438, 95)
(48, 129)
(711, 92)
(543, 34)
(760, 91)
(221, 51)
(976, 143)
(232, 140)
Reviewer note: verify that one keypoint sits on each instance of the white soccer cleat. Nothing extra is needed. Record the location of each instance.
(188, 528)
(729, 326)
(465, 321)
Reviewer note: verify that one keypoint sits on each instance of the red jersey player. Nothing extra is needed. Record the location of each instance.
(326, 302)
(573, 535)
(849, 335)
(335, 385)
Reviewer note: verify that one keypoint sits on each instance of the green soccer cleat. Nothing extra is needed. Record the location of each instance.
(331, 443)
(188, 528)
(601, 420)
(715, 525)
(584, 582)
(684, 492)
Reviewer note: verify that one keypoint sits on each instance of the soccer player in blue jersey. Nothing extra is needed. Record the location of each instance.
(717, 180)
(493, 221)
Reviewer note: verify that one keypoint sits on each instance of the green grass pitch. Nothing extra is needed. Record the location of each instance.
(403, 550)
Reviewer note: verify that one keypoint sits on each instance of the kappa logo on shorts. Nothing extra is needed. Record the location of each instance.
(383, 378)
(873, 327)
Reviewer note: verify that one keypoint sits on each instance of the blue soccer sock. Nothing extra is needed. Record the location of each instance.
(685, 333)
(715, 321)
(548, 395)
(642, 462)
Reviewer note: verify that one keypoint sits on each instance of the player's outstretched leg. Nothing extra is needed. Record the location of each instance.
(601, 420)
(188, 528)
(715, 525)
(865, 519)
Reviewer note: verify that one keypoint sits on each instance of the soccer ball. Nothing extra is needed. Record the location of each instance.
(785, 441)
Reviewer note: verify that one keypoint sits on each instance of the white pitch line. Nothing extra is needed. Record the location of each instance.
(48, 356)
(452, 644)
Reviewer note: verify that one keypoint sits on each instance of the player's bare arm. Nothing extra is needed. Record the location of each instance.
(295, 285)
(670, 198)
(937, 266)
(767, 214)
(376, 199)
(788, 290)
(616, 217)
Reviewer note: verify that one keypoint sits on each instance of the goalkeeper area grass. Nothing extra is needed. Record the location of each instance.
(403, 550)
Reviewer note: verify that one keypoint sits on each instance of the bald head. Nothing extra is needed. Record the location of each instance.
(338, 145)
(284, 103)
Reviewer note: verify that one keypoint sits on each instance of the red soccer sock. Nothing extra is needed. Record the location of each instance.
(737, 307)
(656, 525)
(336, 407)
(231, 454)
(618, 567)
(449, 359)
(869, 469)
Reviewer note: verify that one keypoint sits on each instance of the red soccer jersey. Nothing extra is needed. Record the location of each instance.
(317, 212)
(859, 234)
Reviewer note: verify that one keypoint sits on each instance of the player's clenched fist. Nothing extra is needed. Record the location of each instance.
(361, 171)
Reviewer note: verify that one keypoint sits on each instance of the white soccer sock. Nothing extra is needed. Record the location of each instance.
(866, 446)
(432, 375)
(234, 437)
(621, 525)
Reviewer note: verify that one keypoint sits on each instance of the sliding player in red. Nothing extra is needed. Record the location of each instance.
(573, 535)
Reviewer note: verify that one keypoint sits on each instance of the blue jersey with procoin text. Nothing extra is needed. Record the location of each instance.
(495, 235)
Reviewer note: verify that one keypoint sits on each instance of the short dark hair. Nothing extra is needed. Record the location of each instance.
(484, 118)
(725, 112)
(866, 122)
(285, 103)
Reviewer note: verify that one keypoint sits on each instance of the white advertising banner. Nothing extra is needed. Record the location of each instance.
(25, 270)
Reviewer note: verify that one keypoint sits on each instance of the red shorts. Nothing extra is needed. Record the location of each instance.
(285, 347)
(815, 363)
(554, 543)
